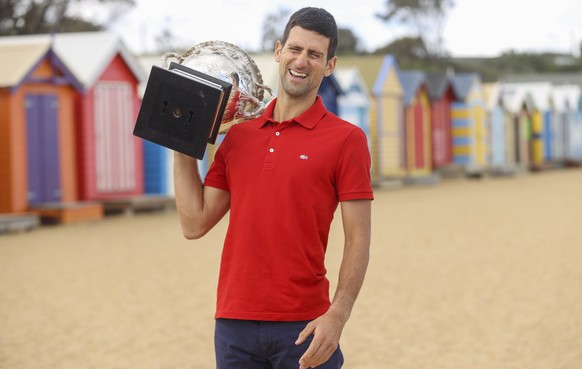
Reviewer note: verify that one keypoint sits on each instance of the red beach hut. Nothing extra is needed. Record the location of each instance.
(441, 95)
(111, 160)
(417, 122)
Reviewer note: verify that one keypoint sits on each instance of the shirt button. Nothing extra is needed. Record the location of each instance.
(277, 133)
(271, 150)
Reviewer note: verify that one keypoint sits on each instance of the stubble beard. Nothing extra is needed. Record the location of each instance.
(294, 90)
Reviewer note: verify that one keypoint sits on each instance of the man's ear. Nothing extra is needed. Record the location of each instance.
(278, 48)
(330, 67)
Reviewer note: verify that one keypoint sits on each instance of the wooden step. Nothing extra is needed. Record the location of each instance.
(68, 212)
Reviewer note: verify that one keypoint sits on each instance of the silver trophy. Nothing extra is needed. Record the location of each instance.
(229, 63)
(198, 95)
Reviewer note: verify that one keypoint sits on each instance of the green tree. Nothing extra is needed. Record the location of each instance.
(348, 42)
(273, 28)
(426, 18)
(405, 49)
(20, 17)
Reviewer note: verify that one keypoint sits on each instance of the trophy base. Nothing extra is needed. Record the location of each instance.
(182, 109)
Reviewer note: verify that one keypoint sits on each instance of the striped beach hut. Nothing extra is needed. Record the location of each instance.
(354, 103)
(441, 94)
(468, 122)
(110, 157)
(417, 123)
(37, 126)
(387, 124)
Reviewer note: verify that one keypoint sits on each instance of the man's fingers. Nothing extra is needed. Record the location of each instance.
(317, 353)
(306, 332)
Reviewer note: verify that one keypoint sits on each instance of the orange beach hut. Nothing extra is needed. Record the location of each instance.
(37, 133)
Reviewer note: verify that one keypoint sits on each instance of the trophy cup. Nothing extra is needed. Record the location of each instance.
(201, 94)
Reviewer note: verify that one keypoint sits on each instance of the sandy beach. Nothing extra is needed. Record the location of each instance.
(466, 274)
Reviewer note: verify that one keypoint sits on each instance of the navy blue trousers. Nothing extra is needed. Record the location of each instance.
(249, 344)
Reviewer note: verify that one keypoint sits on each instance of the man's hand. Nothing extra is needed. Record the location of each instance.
(326, 330)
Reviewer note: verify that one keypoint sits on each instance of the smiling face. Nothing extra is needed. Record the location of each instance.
(302, 63)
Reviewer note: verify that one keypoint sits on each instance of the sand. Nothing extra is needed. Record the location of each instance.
(479, 274)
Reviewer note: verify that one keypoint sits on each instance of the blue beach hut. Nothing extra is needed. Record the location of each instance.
(354, 103)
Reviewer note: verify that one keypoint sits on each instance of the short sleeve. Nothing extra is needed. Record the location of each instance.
(217, 176)
(353, 179)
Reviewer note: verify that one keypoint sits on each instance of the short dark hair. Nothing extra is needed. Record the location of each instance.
(316, 20)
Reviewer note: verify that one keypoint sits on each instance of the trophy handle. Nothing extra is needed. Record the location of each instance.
(169, 55)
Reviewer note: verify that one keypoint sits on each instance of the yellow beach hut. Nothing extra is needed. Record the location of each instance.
(387, 124)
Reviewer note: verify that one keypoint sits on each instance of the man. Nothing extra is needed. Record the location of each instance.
(281, 176)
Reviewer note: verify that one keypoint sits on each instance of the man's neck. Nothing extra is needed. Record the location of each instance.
(288, 108)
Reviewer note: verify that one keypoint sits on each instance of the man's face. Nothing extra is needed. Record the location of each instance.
(303, 62)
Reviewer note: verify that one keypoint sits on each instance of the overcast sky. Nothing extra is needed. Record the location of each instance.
(473, 27)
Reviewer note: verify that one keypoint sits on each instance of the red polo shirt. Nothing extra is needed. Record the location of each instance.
(285, 181)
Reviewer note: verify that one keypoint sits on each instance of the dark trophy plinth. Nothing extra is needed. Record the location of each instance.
(182, 109)
(188, 103)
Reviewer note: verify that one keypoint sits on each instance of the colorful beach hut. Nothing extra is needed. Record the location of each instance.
(330, 91)
(468, 124)
(110, 158)
(566, 100)
(37, 126)
(568, 137)
(387, 124)
(417, 123)
(441, 94)
(517, 103)
(561, 119)
(501, 137)
(354, 103)
(543, 129)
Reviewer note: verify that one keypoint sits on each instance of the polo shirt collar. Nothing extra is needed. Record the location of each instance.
(308, 119)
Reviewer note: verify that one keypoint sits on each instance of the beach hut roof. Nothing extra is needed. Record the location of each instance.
(514, 96)
(89, 54)
(566, 97)
(21, 58)
(353, 85)
(541, 95)
(492, 94)
(335, 84)
(18, 60)
(436, 84)
(86, 54)
(350, 79)
(463, 83)
(537, 95)
(389, 63)
(566, 78)
(411, 82)
(369, 65)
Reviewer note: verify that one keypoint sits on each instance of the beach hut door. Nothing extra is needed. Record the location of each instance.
(44, 183)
